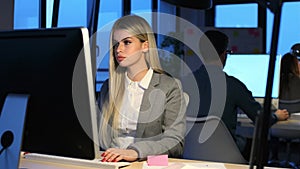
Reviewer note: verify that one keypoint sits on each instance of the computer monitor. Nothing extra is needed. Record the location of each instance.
(54, 67)
(252, 70)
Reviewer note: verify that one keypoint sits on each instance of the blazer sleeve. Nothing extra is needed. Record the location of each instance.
(247, 103)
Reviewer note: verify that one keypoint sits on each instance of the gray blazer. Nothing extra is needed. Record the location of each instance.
(161, 123)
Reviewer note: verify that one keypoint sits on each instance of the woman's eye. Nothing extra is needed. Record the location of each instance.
(115, 44)
(127, 42)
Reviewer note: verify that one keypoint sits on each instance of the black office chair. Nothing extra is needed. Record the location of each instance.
(293, 106)
(209, 139)
(288, 136)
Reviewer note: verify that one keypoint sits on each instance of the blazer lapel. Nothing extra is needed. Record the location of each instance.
(145, 108)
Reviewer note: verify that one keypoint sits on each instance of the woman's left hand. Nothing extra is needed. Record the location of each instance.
(116, 154)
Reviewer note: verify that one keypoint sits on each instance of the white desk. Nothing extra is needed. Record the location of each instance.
(31, 164)
(246, 127)
(244, 124)
(291, 123)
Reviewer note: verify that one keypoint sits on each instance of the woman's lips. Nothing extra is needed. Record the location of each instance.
(120, 58)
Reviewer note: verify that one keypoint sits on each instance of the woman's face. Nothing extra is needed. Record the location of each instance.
(128, 50)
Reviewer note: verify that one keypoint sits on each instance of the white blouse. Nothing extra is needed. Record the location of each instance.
(130, 109)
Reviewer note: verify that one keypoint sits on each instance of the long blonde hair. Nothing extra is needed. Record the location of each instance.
(138, 27)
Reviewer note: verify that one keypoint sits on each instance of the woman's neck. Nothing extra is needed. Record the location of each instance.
(137, 75)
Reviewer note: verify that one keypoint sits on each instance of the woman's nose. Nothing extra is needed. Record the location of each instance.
(119, 47)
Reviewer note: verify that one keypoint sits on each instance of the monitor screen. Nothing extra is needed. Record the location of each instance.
(252, 70)
(53, 66)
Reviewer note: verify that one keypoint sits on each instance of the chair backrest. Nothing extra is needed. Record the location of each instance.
(208, 139)
(292, 106)
(186, 98)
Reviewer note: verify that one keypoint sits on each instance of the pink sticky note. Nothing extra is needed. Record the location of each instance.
(158, 160)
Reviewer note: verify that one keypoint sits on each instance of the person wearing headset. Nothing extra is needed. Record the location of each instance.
(295, 50)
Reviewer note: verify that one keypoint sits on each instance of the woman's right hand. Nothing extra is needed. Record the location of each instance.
(116, 154)
(282, 114)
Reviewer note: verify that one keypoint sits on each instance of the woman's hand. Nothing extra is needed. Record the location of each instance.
(116, 154)
(282, 114)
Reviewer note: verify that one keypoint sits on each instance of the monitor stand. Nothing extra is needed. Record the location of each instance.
(12, 120)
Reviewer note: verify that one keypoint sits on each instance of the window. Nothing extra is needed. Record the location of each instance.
(289, 33)
(26, 14)
(72, 14)
(138, 6)
(237, 15)
(107, 15)
(108, 12)
(245, 15)
(49, 12)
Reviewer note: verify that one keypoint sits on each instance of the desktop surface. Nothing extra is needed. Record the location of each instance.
(246, 126)
(32, 164)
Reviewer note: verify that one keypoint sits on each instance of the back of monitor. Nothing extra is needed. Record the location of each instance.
(12, 120)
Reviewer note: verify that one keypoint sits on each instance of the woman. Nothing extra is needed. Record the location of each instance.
(289, 78)
(289, 90)
(142, 108)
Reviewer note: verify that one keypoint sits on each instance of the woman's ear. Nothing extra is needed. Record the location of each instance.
(145, 46)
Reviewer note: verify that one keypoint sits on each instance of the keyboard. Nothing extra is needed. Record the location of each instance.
(76, 161)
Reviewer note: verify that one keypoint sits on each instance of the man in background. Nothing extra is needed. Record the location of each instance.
(238, 97)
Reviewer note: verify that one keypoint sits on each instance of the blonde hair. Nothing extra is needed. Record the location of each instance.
(138, 27)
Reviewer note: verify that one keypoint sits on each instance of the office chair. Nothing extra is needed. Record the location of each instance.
(186, 98)
(293, 106)
(208, 139)
(288, 135)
